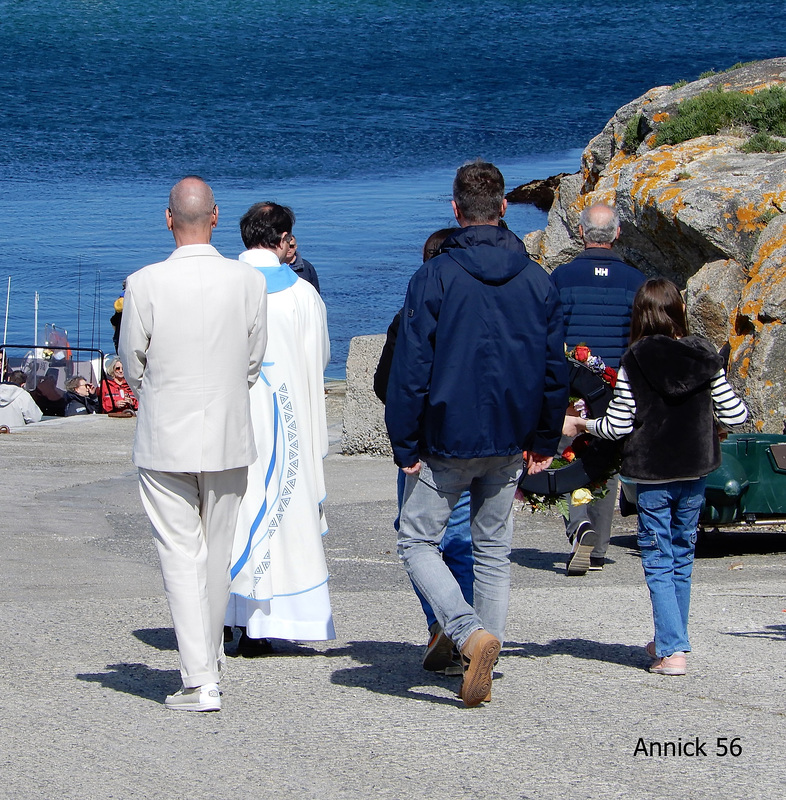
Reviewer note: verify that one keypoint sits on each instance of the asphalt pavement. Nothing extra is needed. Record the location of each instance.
(90, 654)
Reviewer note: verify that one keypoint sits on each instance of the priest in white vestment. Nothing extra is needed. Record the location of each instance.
(279, 574)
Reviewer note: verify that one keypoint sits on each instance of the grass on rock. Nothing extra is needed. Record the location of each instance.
(710, 112)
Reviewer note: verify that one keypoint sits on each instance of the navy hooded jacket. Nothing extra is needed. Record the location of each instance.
(597, 290)
(479, 368)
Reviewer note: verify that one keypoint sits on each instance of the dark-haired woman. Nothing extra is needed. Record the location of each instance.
(670, 390)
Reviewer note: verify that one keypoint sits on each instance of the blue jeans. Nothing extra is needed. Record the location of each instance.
(456, 548)
(429, 499)
(668, 519)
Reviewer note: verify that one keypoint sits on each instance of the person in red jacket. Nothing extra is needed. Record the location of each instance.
(116, 394)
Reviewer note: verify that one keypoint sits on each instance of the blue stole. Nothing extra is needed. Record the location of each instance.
(278, 278)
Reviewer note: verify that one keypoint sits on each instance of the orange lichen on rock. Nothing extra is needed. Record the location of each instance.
(759, 87)
(749, 219)
(740, 343)
(618, 161)
(669, 193)
(661, 116)
(657, 166)
(775, 199)
(673, 193)
(605, 195)
(750, 308)
(766, 251)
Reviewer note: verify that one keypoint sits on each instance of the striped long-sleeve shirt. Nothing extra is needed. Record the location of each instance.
(618, 421)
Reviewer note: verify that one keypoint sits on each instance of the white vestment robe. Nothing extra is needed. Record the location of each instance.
(279, 574)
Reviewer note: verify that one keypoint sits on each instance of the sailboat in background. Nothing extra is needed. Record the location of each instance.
(53, 362)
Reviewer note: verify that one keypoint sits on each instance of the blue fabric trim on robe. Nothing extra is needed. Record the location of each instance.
(278, 278)
(238, 565)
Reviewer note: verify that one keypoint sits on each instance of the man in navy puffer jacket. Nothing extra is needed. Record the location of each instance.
(597, 290)
(478, 376)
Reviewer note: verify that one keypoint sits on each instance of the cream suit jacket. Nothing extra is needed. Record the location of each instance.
(192, 340)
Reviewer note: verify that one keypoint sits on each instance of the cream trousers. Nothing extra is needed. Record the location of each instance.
(194, 517)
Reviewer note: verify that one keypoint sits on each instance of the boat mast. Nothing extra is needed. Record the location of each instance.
(5, 326)
(79, 305)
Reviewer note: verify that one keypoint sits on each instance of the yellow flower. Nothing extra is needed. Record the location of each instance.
(580, 497)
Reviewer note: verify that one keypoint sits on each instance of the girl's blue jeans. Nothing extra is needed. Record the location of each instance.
(668, 520)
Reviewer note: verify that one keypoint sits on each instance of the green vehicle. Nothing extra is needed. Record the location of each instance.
(746, 491)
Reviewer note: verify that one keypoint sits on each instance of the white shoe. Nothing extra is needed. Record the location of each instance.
(200, 698)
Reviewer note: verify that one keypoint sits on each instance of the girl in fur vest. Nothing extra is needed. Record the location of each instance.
(670, 390)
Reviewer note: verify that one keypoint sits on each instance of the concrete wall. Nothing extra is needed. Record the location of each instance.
(364, 416)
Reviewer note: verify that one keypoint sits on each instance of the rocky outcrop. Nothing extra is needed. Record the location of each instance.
(701, 213)
(539, 193)
(713, 295)
(558, 244)
(758, 338)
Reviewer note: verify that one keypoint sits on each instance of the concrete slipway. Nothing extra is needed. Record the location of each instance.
(89, 655)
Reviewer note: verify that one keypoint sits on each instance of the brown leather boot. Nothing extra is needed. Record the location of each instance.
(478, 655)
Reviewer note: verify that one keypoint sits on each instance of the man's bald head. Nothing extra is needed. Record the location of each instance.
(599, 225)
(191, 201)
(192, 212)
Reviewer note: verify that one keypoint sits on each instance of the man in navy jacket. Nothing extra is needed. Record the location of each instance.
(478, 376)
(597, 290)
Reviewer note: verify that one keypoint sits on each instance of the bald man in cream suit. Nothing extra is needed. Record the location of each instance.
(192, 340)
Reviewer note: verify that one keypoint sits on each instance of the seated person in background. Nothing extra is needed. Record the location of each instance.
(81, 397)
(17, 407)
(116, 394)
(48, 397)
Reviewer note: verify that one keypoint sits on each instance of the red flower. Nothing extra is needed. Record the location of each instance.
(568, 454)
(610, 376)
(580, 443)
(581, 353)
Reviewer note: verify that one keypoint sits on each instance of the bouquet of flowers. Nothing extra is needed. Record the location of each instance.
(597, 488)
(578, 497)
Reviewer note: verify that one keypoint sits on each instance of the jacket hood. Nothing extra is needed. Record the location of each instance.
(676, 367)
(8, 393)
(489, 253)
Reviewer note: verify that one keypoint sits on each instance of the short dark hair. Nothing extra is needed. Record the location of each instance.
(264, 224)
(478, 191)
(658, 308)
(17, 377)
(434, 242)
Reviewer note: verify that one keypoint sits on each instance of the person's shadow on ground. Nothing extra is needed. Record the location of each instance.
(775, 632)
(624, 655)
(139, 679)
(394, 668)
(158, 638)
(136, 679)
(391, 668)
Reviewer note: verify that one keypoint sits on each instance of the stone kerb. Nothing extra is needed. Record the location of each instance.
(364, 416)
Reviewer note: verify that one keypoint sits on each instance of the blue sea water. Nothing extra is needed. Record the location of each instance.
(356, 114)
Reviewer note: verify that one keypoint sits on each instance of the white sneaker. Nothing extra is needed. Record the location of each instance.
(200, 698)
